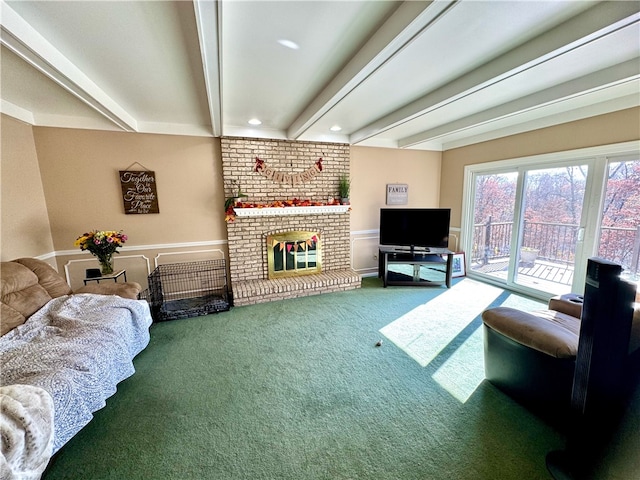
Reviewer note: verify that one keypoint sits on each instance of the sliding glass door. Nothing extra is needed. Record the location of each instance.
(527, 225)
(550, 227)
(619, 230)
(531, 226)
(494, 206)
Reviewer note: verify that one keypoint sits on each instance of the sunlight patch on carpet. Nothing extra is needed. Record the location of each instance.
(459, 376)
(423, 332)
(523, 303)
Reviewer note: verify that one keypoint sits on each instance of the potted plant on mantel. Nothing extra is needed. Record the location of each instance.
(344, 188)
(231, 201)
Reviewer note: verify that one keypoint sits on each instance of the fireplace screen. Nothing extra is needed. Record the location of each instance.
(294, 253)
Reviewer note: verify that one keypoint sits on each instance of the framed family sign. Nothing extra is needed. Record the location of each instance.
(139, 194)
(397, 193)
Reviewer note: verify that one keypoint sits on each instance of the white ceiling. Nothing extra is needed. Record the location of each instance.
(424, 75)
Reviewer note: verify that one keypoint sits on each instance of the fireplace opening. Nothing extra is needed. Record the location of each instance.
(293, 254)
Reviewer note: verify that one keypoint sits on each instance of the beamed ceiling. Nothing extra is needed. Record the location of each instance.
(422, 75)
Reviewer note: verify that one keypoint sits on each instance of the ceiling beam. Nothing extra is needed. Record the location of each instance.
(23, 40)
(408, 21)
(618, 74)
(15, 111)
(597, 22)
(207, 20)
(507, 127)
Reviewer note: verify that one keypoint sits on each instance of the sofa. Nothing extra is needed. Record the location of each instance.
(62, 355)
(531, 356)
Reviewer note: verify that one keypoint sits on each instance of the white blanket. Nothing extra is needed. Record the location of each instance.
(77, 348)
(26, 431)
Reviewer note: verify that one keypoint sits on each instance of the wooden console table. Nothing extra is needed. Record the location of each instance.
(416, 262)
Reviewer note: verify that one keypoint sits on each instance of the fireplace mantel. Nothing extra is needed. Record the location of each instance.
(281, 211)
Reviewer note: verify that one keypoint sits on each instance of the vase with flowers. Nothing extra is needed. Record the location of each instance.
(103, 244)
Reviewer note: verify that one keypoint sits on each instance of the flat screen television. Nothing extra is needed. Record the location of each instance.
(415, 227)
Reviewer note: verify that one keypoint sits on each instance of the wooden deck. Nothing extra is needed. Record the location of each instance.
(540, 274)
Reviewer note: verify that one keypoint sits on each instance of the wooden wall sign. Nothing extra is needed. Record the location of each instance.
(139, 191)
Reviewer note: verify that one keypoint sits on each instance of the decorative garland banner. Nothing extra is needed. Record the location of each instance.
(288, 178)
(311, 242)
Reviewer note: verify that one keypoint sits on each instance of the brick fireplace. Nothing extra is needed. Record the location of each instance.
(292, 173)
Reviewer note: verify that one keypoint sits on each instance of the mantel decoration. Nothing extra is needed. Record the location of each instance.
(344, 188)
(102, 244)
(295, 246)
(287, 178)
(235, 196)
(230, 213)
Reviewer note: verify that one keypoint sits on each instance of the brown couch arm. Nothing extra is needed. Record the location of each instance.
(125, 290)
(569, 304)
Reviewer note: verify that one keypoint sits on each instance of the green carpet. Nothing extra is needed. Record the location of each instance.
(297, 389)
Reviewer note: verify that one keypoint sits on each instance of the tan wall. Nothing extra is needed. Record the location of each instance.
(373, 168)
(24, 229)
(82, 188)
(617, 127)
(79, 170)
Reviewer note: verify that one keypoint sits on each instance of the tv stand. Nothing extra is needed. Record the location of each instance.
(424, 266)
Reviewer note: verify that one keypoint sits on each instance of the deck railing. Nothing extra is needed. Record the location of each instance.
(555, 242)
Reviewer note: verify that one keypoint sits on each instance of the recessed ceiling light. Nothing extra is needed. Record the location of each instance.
(255, 121)
(336, 128)
(289, 44)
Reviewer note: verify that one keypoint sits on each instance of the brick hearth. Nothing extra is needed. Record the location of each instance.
(257, 291)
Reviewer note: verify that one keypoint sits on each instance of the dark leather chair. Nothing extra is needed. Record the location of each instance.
(531, 355)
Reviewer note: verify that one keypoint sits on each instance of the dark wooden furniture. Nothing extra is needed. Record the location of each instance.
(424, 267)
